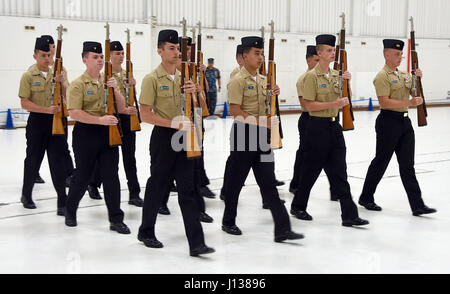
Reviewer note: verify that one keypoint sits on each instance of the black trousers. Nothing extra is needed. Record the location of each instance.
(245, 155)
(325, 148)
(394, 134)
(165, 162)
(90, 145)
(40, 140)
(128, 148)
(300, 154)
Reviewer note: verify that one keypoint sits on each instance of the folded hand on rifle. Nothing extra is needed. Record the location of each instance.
(347, 75)
(341, 102)
(276, 90)
(419, 73)
(131, 110)
(108, 120)
(189, 87)
(416, 101)
(112, 83)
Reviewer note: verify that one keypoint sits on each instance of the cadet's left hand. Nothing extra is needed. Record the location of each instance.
(276, 90)
(347, 76)
(59, 79)
(419, 73)
(131, 110)
(198, 89)
(133, 82)
(112, 83)
(189, 87)
(202, 68)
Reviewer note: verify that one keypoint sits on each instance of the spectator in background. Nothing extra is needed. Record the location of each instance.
(212, 74)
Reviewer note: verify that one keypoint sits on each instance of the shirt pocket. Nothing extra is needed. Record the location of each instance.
(323, 91)
(37, 85)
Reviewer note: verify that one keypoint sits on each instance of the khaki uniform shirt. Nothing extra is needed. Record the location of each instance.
(87, 95)
(317, 87)
(393, 84)
(250, 94)
(299, 85)
(159, 91)
(35, 87)
(234, 72)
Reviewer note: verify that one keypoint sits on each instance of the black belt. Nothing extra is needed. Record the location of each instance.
(394, 113)
(329, 119)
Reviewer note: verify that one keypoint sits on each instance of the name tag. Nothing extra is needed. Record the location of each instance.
(36, 84)
(164, 88)
(395, 82)
(250, 88)
(89, 93)
(323, 86)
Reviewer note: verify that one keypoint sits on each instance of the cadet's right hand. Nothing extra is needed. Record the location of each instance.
(416, 101)
(185, 125)
(53, 109)
(108, 120)
(341, 102)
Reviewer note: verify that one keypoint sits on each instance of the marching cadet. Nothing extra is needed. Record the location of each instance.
(128, 139)
(311, 59)
(35, 93)
(86, 106)
(201, 177)
(247, 100)
(325, 144)
(394, 131)
(161, 106)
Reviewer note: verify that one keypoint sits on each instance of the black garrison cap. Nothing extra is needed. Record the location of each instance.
(189, 41)
(115, 46)
(48, 39)
(42, 45)
(169, 36)
(393, 44)
(239, 49)
(329, 40)
(255, 42)
(311, 50)
(94, 47)
(210, 60)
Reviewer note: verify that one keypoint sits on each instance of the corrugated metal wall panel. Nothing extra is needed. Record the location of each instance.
(236, 14)
(171, 12)
(320, 16)
(384, 18)
(431, 18)
(101, 10)
(19, 7)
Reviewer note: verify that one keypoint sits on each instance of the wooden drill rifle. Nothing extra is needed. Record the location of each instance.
(115, 131)
(336, 57)
(135, 120)
(417, 89)
(187, 104)
(344, 85)
(196, 101)
(262, 69)
(59, 118)
(272, 109)
(201, 74)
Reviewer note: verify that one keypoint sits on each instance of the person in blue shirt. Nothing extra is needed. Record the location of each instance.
(212, 75)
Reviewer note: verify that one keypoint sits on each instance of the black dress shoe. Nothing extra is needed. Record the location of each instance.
(201, 250)
(205, 218)
(289, 235)
(266, 206)
(173, 188)
(137, 201)
(355, 222)
(28, 204)
(39, 180)
(151, 242)
(71, 222)
(207, 193)
(61, 211)
(370, 206)
(300, 214)
(164, 210)
(120, 228)
(232, 230)
(279, 183)
(68, 180)
(424, 210)
(93, 193)
(334, 198)
(293, 190)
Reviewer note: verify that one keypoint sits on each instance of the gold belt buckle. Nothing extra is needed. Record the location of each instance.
(405, 114)
(333, 119)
